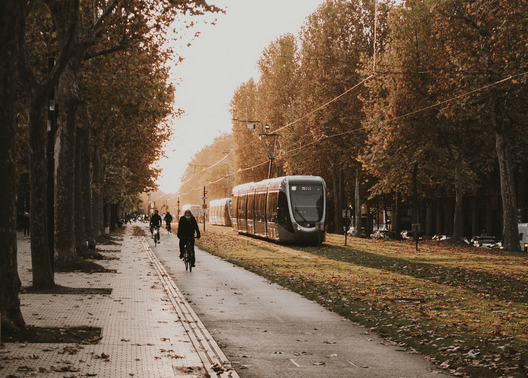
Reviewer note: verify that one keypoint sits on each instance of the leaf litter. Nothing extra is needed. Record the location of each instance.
(463, 308)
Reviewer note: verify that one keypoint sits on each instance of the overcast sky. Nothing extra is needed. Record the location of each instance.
(216, 64)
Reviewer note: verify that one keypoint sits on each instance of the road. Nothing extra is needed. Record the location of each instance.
(267, 331)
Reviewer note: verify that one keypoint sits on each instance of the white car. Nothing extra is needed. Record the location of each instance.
(483, 241)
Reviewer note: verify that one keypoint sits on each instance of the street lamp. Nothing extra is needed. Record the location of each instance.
(271, 155)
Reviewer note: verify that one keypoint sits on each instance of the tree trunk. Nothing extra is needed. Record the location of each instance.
(335, 195)
(357, 206)
(98, 208)
(368, 226)
(340, 203)
(9, 279)
(415, 195)
(113, 216)
(458, 221)
(522, 191)
(86, 183)
(80, 231)
(395, 219)
(429, 220)
(38, 175)
(509, 203)
(64, 195)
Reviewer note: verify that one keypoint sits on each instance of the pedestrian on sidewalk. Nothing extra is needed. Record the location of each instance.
(25, 223)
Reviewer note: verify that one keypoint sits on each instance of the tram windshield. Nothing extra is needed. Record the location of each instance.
(307, 202)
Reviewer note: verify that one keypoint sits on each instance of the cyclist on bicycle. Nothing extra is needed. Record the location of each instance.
(168, 220)
(155, 221)
(187, 226)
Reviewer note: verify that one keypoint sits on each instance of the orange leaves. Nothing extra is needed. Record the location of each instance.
(464, 319)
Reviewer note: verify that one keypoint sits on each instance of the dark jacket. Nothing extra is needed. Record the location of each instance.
(187, 227)
(168, 218)
(155, 220)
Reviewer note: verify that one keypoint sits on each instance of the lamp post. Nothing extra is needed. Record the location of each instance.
(227, 176)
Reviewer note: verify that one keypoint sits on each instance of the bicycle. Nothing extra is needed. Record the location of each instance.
(188, 255)
(155, 233)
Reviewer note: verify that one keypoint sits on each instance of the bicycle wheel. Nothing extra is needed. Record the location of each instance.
(156, 236)
(188, 257)
(191, 257)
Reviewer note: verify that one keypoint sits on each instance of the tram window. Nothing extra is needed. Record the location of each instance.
(260, 206)
(234, 207)
(282, 209)
(251, 206)
(242, 208)
(307, 202)
(273, 203)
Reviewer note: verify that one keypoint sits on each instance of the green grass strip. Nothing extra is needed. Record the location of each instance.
(465, 308)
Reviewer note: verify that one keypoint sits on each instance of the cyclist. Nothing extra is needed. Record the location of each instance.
(187, 226)
(168, 220)
(155, 221)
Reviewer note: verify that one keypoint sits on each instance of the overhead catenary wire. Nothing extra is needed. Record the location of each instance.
(326, 137)
(222, 178)
(325, 104)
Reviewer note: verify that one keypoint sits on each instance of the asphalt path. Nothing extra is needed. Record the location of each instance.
(267, 331)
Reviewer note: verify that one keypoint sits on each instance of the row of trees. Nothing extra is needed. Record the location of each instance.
(212, 167)
(414, 102)
(108, 94)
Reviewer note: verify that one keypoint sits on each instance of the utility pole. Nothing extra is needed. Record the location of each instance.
(204, 206)
(178, 214)
(264, 134)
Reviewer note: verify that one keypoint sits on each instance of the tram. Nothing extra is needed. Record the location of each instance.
(220, 212)
(289, 209)
(195, 210)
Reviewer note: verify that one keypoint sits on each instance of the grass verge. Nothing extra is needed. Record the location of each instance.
(464, 308)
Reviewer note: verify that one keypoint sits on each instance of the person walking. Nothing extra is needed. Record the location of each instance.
(168, 220)
(25, 223)
(187, 226)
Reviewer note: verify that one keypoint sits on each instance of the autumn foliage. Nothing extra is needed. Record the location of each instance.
(415, 106)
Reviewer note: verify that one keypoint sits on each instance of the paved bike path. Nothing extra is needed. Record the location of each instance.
(267, 331)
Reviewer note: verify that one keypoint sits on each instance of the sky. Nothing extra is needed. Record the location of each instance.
(221, 59)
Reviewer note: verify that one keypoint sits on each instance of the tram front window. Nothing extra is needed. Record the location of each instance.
(307, 202)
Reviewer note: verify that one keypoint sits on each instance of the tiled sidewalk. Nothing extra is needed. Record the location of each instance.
(142, 334)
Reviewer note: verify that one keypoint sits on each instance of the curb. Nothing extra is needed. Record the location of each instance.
(213, 359)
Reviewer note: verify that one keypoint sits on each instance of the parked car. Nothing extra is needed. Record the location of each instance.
(352, 229)
(497, 245)
(381, 234)
(483, 241)
(439, 237)
(409, 235)
(523, 236)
